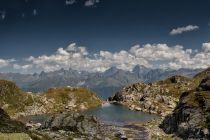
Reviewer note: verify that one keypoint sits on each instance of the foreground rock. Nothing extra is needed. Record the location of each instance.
(68, 125)
(7, 125)
(159, 97)
(191, 117)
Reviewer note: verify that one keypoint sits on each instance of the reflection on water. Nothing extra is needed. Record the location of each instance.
(116, 114)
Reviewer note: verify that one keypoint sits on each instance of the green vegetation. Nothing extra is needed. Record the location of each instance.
(14, 136)
(176, 85)
(78, 96)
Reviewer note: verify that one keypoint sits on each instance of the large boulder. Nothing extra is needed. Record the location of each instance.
(74, 122)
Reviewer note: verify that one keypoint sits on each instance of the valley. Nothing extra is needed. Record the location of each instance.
(137, 111)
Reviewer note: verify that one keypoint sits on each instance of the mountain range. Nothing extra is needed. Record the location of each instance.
(103, 83)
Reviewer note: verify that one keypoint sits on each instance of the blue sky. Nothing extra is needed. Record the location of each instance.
(38, 27)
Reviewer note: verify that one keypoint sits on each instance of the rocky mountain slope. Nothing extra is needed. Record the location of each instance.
(104, 83)
(159, 97)
(191, 117)
(16, 102)
(183, 103)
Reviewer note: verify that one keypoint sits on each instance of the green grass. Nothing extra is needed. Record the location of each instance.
(14, 136)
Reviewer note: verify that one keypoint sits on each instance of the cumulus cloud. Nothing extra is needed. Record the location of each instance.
(79, 58)
(206, 47)
(90, 3)
(149, 55)
(181, 30)
(6, 62)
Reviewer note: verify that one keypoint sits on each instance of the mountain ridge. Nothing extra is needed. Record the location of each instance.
(110, 81)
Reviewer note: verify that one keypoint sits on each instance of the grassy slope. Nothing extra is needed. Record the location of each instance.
(62, 96)
(13, 100)
(177, 85)
(14, 136)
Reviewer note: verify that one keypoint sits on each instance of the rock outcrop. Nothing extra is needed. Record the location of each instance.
(191, 117)
(85, 126)
(159, 97)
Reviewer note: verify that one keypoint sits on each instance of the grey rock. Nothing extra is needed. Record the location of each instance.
(73, 122)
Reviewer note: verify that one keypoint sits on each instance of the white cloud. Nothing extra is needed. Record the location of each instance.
(149, 55)
(181, 30)
(90, 3)
(206, 47)
(70, 2)
(6, 62)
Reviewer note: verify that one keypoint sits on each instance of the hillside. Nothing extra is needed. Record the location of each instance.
(16, 102)
(63, 99)
(183, 103)
(191, 117)
(159, 97)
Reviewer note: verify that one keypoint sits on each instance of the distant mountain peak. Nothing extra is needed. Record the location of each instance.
(140, 70)
(42, 74)
(139, 67)
(111, 70)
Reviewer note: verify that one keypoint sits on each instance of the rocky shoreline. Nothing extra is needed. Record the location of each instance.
(183, 104)
(157, 98)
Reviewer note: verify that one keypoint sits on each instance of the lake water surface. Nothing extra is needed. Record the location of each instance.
(108, 114)
(119, 115)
